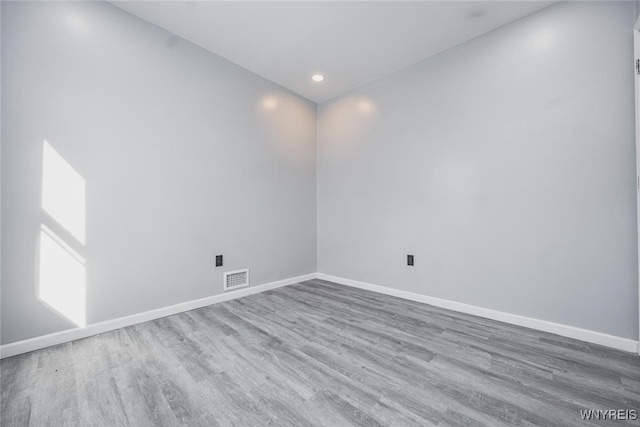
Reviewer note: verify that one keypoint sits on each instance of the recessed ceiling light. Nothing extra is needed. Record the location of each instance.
(317, 78)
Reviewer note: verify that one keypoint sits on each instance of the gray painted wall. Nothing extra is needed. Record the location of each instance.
(506, 165)
(185, 155)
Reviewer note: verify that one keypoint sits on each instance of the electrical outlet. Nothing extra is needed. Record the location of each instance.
(410, 260)
(218, 260)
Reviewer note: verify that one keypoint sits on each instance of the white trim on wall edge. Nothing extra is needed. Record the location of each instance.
(594, 337)
(49, 340)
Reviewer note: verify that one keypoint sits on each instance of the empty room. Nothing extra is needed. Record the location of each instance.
(319, 213)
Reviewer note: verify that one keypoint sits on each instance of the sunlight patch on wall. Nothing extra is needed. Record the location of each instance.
(62, 276)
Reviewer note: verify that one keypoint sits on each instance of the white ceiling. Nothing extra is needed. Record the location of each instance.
(350, 42)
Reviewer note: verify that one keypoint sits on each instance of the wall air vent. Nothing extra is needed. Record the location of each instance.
(236, 279)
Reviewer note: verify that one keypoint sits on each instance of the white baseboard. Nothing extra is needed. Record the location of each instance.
(600, 338)
(49, 340)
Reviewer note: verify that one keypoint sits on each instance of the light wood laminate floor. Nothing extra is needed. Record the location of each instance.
(318, 354)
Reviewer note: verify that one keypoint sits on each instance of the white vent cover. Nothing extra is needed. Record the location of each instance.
(236, 279)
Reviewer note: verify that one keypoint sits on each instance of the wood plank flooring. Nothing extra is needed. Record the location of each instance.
(318, 354)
